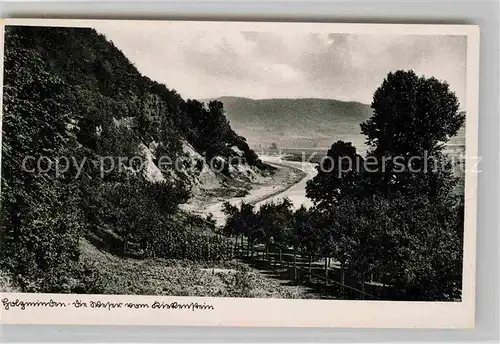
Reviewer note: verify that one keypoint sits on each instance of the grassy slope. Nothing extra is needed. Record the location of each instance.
(181, 278)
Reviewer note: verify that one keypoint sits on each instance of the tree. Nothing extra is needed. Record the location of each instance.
(241, 222)
(306, 235)
(412, 117)
(211, 126)
(300, 225)
(427, 238)
(412, 114)
(407, 243)
(339, 174)
(275, 222)
(399, 219)
(40, 226)
(359, 226)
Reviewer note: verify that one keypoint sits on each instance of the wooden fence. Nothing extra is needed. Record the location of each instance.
(324, 277)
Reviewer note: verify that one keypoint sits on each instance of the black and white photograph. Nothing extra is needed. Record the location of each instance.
(178, 160)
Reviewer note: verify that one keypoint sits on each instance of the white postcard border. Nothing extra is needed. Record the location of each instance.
(276, 312)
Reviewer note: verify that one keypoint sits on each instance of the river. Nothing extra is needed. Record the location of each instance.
(296, 193)
(262, 194)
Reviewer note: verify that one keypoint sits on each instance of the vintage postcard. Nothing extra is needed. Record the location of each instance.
(238, 173)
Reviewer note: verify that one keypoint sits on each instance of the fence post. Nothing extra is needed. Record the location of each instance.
(326, 272)
(310, 268)
(267, 254)
(363, 286)
(295, 265)
(342, 279)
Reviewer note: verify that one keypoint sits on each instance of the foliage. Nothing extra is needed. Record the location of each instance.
(405, 242)
(412, 117)
(398, 219)
(339, 174)
(6, 284)
(306, 235)
(241, 221)
(276, 222)
(211, 133)
(271, 224)
(68, 92)
(403, 230)
(412, 114)
(40, 226)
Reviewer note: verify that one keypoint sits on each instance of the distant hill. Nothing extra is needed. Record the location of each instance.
(306, 122)
(301, 123)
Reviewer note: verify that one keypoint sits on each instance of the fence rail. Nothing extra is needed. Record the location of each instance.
(297, 273)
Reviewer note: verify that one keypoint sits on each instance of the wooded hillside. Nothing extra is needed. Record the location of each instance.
(72, 99)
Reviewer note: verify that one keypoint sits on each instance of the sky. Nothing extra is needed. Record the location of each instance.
(209, 64)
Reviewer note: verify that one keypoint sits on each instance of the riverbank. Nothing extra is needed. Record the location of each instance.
(284, 178)
(296, 193)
